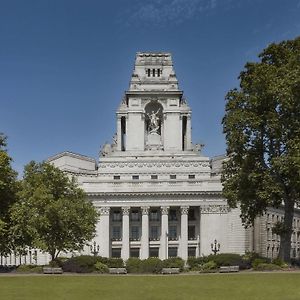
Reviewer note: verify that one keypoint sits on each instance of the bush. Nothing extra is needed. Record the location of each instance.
(134, 265)
(29, 269)
(114, 262)
(211, 265)
(80, 264)
(60, 261)
(152, 265)
(279, 262)
(173, 262)
(101, 268)
(195, 263)
(229, 259)
(267, 267)
(259, 261)
(295, 262)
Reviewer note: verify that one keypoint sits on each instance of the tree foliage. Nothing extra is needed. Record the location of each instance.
(262, 128)
(8, 189)
(52, 213)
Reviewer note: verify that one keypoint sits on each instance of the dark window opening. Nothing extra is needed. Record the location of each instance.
(135, 216)
(149, 72)
(116, 252)
(154, 252)
(192, 216)
(191, 251)
(172, 251)
(117, 177)
(153, 72)
(154, 177)
(123, 133)
(154, 216)
(158, 72)
(184, 125)
(154, 233)
(191, 176)
(172, 215)
(172, 176)
(172, 233)
(191, 232)
(135, 177)
(134, 252)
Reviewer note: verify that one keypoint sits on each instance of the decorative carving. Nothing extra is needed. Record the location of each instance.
(126, 211)
(164, 210)
(104, 211)
(184, 210)
(214, 209)
(145, 210)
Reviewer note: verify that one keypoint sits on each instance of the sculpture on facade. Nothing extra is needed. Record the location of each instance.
(154, 125)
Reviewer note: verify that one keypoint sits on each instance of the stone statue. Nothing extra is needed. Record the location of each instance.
(153, 126)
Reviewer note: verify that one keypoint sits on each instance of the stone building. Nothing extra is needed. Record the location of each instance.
(155, 191)
(157, 195)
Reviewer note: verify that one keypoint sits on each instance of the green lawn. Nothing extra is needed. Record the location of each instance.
(273, 286)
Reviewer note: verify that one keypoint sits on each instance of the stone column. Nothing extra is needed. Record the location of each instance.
(164, 233)
(145, 233)
(125, 233)
(188, 133)
(103, 232)
(184, 232)
(119, 133)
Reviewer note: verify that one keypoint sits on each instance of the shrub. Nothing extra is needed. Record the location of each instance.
(258, 261)
(195, 263)
(29, 269)
(152, 265)
(279, 262)
(229, 259)
(60, 261)
(295, 262)
(101, 268)
(173, 262)
(134, 265)
(80, 264)
(267, 267)
(211, 265)
(114, 262)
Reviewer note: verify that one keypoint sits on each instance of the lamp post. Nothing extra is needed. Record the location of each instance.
(215, 247)
(95, 248)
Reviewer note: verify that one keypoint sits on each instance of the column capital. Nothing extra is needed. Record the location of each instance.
(164, 210)
(184, 210)
(126, 210)
(104, 211)
(145, 210)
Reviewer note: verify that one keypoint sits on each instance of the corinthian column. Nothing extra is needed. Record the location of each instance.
(145, 233)
(103, 232)
(125, 233)
(163, 254)
(184, 232)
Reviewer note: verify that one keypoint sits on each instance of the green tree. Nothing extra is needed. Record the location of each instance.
(52, 213)
(262, 128)
(8, 189)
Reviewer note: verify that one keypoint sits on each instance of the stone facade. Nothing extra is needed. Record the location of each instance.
(156, 193)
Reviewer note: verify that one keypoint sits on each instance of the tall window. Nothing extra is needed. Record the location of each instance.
(135, 216)
(135, 233)
(172, 233)
(154, 215)
(191, 232)
(116, 233)
(116, 216)
(172, 215)
(154, 233)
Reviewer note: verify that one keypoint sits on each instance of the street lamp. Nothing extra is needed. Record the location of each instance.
(215, 247)
(95, 249)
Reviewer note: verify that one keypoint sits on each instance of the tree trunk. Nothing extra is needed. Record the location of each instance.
(285, 237)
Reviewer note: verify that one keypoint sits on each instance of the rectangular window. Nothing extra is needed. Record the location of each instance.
(134, 252)
(173, 233)
(191, 251)
(116, 252)
(116, 233)
(172, 251)
(154, 216)
(149, 72)
(191, 215)
(153, 252)
(172, 215)
(116, 216)
(135, 216)
(135, 233)
(191, 176)
(117, 177)
(172, 176)
(153, 72)
(158, 72)
(135, 177)
(154, 177)
(154, 233)
(191, 232)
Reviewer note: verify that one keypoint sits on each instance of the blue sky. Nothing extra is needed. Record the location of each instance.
(65, 64)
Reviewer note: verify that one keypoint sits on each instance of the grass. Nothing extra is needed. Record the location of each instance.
(275, 286)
